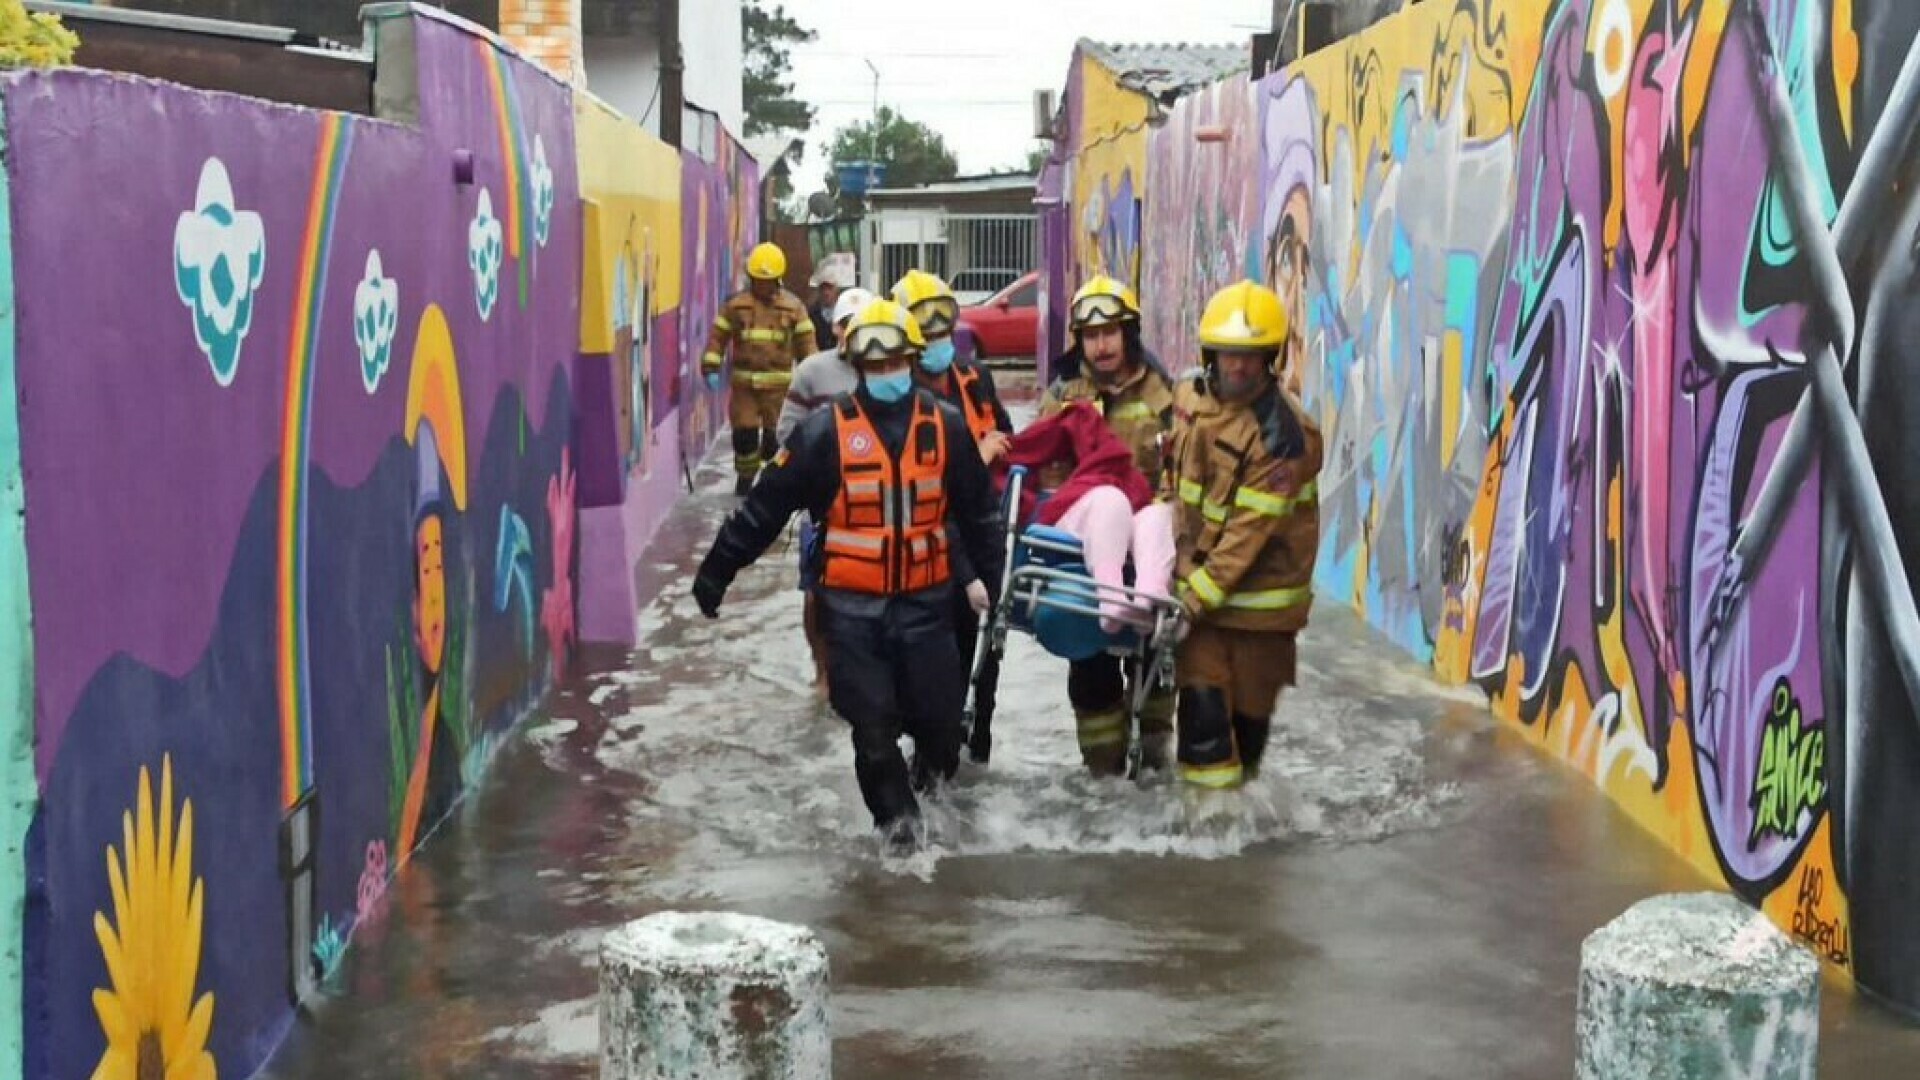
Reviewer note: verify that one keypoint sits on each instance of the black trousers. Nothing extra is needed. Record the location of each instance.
(895, 671)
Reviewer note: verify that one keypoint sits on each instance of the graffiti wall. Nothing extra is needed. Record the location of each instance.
(1566, 331)
(665, 234)
(1109, 173)
(299, 527)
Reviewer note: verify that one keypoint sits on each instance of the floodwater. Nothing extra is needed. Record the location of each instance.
(1402, 894)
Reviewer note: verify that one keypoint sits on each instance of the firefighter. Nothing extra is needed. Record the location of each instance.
(769, 332)
(969, 389)
(1241, 475)
(1120, 378)
(885, 470)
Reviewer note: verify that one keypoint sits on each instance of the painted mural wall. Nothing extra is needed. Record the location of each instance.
(1557, 319)
(664, 241)
(298, 475)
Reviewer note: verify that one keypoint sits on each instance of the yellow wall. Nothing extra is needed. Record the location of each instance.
(1109, 155)
(631, 182)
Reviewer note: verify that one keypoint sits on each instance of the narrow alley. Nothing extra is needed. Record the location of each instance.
(1402, 895)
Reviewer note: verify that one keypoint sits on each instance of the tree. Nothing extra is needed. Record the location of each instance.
(768, 35)
(1037, 158)
(913, 152)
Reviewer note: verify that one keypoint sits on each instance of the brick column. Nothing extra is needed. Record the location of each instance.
(548, 32)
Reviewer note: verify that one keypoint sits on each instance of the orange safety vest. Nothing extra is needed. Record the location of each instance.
(887, 530)
(974, 404)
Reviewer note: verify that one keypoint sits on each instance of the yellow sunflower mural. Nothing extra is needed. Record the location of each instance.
(155, 1029)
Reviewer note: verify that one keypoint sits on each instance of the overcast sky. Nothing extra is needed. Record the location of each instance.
(968, 68)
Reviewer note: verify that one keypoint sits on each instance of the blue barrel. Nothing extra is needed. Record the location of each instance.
(853, 176)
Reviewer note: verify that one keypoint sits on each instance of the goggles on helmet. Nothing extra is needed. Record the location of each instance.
(876, 341)
(1099, 309)
(936, 315)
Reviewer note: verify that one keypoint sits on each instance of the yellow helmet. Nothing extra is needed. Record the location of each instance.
(1101, 302)
(1244, 315)
(930, 301)
(883, 328)
(767, 262)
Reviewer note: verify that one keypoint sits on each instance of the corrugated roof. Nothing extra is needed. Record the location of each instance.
(966, 185)
(1160, 69)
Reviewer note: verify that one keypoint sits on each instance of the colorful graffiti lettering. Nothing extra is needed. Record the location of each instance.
(1564, 325)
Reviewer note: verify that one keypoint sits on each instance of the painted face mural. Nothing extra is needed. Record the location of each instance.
(430, 592)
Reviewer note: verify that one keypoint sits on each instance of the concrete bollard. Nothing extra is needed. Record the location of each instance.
(713, 995)
(1696, 987)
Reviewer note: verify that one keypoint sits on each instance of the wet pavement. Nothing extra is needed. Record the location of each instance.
(1403, 894)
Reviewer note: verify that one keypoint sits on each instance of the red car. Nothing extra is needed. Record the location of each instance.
(1006, 323)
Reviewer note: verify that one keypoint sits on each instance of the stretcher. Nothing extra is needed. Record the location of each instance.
(1047, 593)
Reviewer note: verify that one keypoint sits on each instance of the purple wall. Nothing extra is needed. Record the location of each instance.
(301, 528)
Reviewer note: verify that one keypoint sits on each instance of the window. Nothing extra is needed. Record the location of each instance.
(1025, 295)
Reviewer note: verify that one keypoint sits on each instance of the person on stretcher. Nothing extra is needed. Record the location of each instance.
(1112, 374)
(1105, 502)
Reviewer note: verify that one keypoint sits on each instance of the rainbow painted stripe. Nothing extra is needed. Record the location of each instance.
(295, 691)
(513, 154)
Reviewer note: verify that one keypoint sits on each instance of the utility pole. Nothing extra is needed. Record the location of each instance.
(873, 133)
(673, 67)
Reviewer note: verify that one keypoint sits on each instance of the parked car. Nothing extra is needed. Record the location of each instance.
(1008, 322)
(976, 285)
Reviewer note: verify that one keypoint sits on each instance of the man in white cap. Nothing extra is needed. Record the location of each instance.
(833, 276)
(816, 382)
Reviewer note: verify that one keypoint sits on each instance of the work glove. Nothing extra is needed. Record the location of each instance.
(713, 381)
(708, 591)
(977, 597)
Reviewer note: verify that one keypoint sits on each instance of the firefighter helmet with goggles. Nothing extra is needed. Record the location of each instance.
(930, 300)
(883, 330)
(1102, 302)
(1244, 316)
(766, 262)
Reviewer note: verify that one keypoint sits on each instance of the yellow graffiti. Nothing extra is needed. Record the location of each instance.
(1112, 149)
(1846, 62)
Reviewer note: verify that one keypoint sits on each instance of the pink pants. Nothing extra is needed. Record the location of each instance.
(1108, 529)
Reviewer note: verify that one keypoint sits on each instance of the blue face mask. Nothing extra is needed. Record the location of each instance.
(938, 356)
(888, 389)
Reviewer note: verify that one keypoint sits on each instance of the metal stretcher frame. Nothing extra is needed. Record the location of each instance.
(1026, 589)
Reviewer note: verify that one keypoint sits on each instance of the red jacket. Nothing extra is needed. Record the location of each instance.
(1078, 435)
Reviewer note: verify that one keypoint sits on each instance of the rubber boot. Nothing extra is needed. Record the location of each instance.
(1250, 733)
(1156, 730)
(1208, 756)
(746, 460)
(1102, 734)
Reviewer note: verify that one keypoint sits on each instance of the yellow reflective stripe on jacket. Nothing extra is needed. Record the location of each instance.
(1190, 492)
(1261, 502)
(1268, 599)
(1132, 410)
(1213, 511)
(754, 333)
(721, 324)
(1204, 587)
(712, 360)
(763, 380)
(805, 327)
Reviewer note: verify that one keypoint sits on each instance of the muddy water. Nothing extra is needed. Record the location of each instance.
(1402, 894)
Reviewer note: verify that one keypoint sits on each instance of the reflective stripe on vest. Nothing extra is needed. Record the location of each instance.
(755, 333)
(974, 404)
(886, 531)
